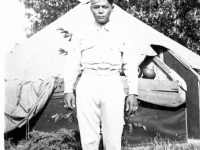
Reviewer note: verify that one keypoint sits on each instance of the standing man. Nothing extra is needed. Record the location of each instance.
(101, 50)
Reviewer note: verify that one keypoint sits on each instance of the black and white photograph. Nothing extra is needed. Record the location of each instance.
(101, 74)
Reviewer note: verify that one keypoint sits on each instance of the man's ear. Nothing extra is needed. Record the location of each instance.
(112, 7)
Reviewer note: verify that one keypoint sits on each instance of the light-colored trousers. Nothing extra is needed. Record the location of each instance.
(100, 99)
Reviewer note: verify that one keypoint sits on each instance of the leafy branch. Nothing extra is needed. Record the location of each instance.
(129, 119)
(71, 117)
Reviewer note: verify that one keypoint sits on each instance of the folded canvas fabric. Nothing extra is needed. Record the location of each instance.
(24, 99)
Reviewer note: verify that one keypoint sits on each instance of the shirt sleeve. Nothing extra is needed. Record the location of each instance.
(72, 64)
(130, 66)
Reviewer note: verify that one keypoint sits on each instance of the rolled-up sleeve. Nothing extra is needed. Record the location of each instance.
(72, 65)
(130, 66)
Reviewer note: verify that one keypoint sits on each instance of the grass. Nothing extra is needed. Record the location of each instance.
(65, 139)
(165, 146)
(159, 144)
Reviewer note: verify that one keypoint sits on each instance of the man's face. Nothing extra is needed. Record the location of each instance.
(101, 10)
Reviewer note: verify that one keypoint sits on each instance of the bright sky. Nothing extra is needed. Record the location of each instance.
(13, 22)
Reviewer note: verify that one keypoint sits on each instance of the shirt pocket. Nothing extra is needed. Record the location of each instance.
(86, 45)
(115, 53)
(87, 51)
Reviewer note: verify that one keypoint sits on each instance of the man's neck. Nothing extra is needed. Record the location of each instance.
(102, 24)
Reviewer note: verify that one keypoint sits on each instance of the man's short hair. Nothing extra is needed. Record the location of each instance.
(110, 1)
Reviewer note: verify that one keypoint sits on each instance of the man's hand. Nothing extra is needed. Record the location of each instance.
(131, 104)
(69, 100)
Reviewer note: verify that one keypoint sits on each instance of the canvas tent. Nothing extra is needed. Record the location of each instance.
(36, 68)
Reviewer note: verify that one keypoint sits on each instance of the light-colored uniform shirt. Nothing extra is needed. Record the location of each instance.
(99, 47)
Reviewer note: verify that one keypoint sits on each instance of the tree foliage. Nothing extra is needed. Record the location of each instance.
(45, 12)
(177, 19)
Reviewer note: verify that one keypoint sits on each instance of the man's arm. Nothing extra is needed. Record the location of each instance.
(71, 71)
(131, 72)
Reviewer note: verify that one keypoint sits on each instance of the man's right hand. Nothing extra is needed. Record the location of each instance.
(69, 100)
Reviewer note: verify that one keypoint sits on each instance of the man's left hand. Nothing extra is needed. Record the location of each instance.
(131, 104)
